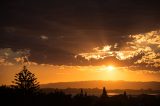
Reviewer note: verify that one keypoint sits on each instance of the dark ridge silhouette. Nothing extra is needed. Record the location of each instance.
(100, 84)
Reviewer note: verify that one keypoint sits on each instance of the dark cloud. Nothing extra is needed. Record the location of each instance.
(73, 26)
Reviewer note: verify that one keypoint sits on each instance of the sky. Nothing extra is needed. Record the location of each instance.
(77, 40)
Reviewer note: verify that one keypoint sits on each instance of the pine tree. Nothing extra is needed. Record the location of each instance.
(26, 81)
(104, 93)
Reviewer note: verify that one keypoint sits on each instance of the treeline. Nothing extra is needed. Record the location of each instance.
(16, 97)
(97, 91)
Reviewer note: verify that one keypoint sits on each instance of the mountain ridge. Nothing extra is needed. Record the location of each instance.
(155, 85)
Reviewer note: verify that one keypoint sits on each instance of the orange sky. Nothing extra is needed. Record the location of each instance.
(139, 61)
(77, 40)
(49, 73)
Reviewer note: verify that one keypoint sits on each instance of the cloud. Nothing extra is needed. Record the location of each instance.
(53, 56)
(148, 44)
(97, 53)
(55, 31)
(10, 57)
(142, 51)
(43, 37)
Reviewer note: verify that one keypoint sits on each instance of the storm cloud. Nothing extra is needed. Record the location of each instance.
(57, 31)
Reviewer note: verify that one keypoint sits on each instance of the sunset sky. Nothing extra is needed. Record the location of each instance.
(79, 40)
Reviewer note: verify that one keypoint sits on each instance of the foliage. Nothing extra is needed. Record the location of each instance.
(26, 81)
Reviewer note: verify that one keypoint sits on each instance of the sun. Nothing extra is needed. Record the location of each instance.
(110, 68)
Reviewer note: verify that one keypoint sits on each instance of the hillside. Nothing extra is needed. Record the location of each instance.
(107, 84)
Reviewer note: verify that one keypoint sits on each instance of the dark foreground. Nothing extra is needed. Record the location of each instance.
(11, 97)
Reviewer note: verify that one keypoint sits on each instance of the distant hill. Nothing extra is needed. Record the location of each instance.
(107, 84)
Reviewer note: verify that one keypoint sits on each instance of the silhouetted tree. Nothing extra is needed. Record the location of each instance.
(104, 93)
(81, 93)
(26, 81)
(125, 94)
(85, 94)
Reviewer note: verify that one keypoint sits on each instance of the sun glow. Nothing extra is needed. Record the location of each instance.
(110, 68)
